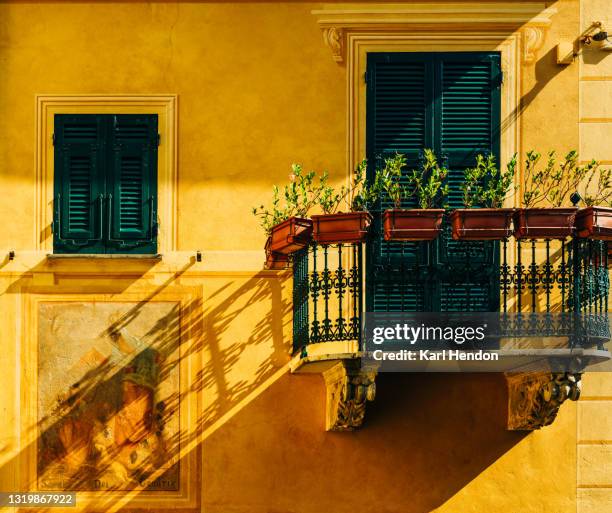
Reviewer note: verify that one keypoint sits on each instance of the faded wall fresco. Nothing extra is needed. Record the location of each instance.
(107, 379)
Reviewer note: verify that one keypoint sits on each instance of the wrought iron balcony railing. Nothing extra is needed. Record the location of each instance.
(334, 285)
(327, 293)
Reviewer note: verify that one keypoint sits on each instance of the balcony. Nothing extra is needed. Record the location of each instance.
(554, 292)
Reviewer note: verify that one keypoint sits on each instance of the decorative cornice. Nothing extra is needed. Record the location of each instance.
(534, 398)
(338, 20)
(348, 388)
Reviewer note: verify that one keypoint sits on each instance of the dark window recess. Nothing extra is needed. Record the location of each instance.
(449, 102)
(105, 184)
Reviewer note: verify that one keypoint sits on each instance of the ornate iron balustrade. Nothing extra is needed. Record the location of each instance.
(327, 293)
(576, 269)
(547, 282)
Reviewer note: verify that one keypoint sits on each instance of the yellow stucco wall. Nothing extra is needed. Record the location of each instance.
(594, 477)
(257, 90)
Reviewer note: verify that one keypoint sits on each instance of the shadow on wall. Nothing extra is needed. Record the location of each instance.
(111, 425)
(546, 69)
(426, 437)
(593, 55)
(228, 314)
(264, 447)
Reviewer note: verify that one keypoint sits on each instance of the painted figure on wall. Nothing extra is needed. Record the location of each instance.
(110, 428)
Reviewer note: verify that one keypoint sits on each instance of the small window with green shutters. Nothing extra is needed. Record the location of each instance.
(105, 184)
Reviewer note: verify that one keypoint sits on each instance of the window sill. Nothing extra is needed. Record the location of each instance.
(101, 256)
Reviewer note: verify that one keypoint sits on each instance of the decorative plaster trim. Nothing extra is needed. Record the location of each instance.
(337, 21)
(534, 398)
(533, 40)
(334, 39)
(183, 263)
(26, 379)
(348, 388)
(163, 105)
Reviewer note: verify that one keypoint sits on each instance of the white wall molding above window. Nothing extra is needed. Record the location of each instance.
(165, 106)
(340, 22)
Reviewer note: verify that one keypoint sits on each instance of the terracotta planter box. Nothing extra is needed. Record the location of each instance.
(482, 223)
(412, 225)
(275, 261)
(544, 223)
(594, 223)
(351, 227)
(290, 235)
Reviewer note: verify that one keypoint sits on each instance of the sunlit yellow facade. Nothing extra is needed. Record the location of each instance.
(242, 90)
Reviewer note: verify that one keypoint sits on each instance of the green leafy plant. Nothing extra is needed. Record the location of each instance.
(564, 179)
(300, 195)
(358, 196)
(596, 188)
(329, 199)
(274, 215)
(555, 181)
(535, 178)
(303, 193)
(388, 179)
(364, 195)
(485, 184)
(427, 183)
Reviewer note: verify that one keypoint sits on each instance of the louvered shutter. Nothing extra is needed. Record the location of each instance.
(133, 184)
(450, 103)
(467, 123)
(399, 120)
(79, 184)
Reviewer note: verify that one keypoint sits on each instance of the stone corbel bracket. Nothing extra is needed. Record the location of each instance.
(533, 40)
(337, 21)
(348, 387)
(534, 398)
(334, 39)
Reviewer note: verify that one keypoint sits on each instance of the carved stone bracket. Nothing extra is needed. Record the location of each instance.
(333, 38)
(533, 40)
(534, 398)
(348, 388)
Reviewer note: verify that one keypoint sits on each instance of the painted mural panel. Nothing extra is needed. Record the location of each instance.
(108, 383)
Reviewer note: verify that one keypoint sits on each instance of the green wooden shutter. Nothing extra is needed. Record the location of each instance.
(450, 103)
(399, 120)
(132, 222)
(79, 184)
(466, 113)
(467, 119)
